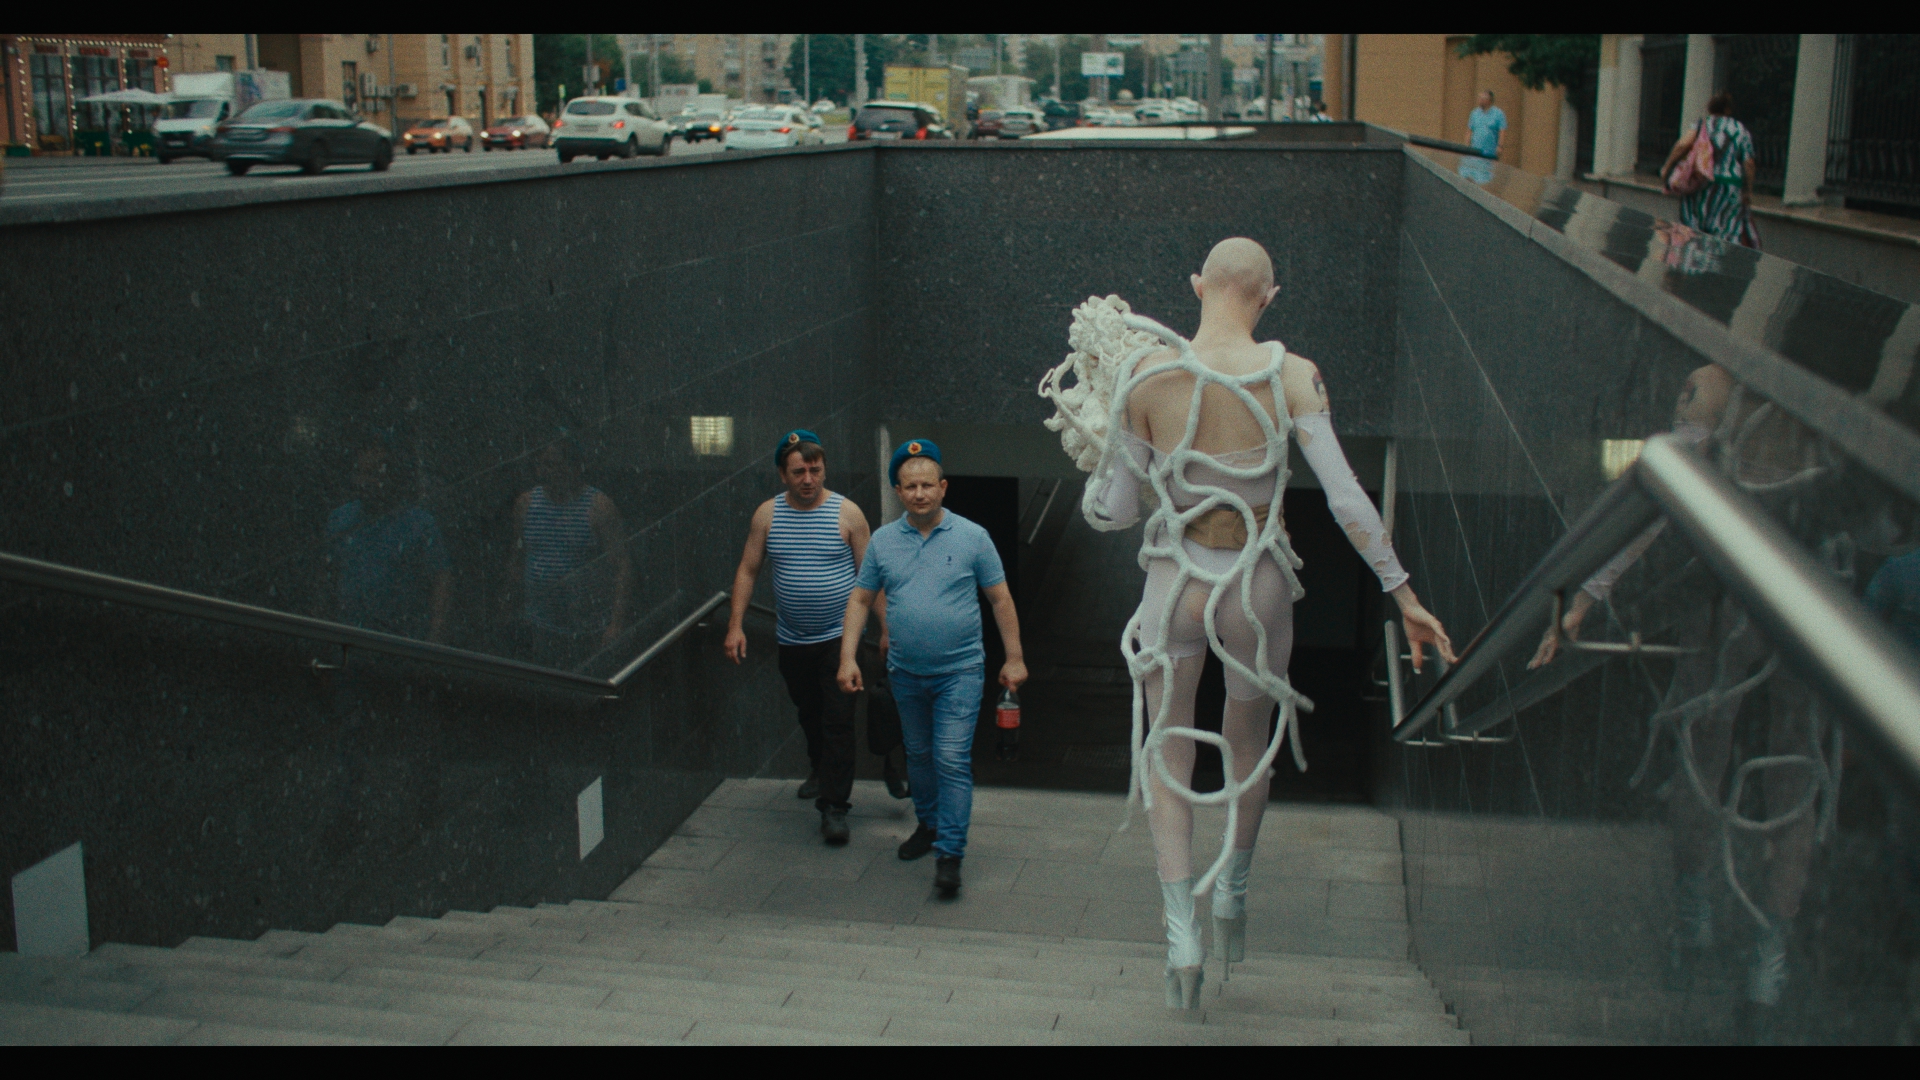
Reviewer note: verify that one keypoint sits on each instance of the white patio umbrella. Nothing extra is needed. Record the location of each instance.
(126, 97)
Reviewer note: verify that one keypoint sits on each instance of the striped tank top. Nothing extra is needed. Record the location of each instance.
(812, 571)
(565, 587)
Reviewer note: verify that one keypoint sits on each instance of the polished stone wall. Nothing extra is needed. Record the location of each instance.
(265, 385)
(983, 255)
(1542, 864)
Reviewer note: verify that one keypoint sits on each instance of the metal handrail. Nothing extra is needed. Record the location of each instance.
(1828, 636)
(141, 594)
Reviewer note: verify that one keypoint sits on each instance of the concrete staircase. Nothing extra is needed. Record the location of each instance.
(689, 957)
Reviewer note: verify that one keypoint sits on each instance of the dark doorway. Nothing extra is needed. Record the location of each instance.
(281, 52)
(1078, 708)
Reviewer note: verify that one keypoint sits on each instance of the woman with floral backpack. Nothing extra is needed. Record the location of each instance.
(1711, 168)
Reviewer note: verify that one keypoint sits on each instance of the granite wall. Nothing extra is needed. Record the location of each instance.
(262, 387)
(1541, 864)
(983, 254)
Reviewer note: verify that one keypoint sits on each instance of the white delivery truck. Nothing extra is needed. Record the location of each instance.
(199, 103)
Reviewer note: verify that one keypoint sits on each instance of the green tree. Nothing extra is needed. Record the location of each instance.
(674, 70)
(558, 60)
(1541, 60)
(832, 63)
(1040, 67)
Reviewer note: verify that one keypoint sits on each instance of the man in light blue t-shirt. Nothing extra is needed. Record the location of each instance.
(932, 565)
(1486, 126)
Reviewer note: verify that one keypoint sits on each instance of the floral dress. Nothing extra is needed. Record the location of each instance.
(1715, 209)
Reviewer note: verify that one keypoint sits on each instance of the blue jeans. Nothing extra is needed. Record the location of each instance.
(937, 718)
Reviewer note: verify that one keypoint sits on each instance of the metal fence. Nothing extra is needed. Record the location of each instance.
(1758, 70)
(1873, 145)
(1663, 72)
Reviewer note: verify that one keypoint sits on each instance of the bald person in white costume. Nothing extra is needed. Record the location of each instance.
(1201, 424)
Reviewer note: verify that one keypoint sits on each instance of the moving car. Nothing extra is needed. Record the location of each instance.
(1156, 111)
(312, 134)
(702, 124)
(773, 127)
(199, 102)
(890, 120)
(1020, 120)
(442, 135)
(517, 133)
(607, 126)
(986, 125)
(1060, 114)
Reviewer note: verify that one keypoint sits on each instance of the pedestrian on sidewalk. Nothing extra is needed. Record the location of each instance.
(816, 539)
(1486, 126)
(1723, 206)
(931, 565)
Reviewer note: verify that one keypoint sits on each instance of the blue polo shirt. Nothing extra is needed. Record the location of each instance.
(933, 608)
(1485, 126)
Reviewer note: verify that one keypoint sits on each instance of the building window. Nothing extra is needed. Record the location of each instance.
(96, 75)
(49, 95)
(223, 63)
(350, 84)
(513, 46)
(446, 50)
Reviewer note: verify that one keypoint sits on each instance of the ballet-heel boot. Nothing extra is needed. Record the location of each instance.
(1184, 954)
(1230, 908)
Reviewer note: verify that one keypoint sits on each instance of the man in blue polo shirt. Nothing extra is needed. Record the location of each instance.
(932, 563)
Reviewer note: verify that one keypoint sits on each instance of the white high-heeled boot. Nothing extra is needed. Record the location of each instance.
(1184, 952)
(1230, 907)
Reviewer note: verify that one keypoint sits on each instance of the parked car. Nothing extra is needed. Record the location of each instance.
(310, 133)
(607, 126)
(1020, 121)
(439, 135)
(888, 120)
(773, 127)
(986, 125)
(705, 124)
(1060, 114)
(517, 133)
(1156, 111)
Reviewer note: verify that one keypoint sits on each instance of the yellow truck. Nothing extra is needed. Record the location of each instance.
(944, 88)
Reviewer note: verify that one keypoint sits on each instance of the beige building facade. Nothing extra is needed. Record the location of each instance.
(1420, 84)
(748, 66)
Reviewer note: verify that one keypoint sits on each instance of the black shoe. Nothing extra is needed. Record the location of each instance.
(918, 844)
(833, 826)
(810, 788)
(895, 772)
(946, 875)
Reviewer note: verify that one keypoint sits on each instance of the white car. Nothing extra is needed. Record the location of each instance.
(607, 127)
(773, 127)
(1102, 117)
(824, 105)
(1156, 111)
(1020, 121)
(1188, 108)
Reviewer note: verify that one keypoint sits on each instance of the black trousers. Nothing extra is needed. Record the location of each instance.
(826, 714)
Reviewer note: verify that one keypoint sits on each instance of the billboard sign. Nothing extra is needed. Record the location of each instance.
(1095, 64)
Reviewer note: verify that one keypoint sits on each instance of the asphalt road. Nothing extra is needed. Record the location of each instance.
(50, 180)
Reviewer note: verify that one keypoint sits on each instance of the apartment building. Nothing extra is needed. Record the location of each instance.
(748, 66)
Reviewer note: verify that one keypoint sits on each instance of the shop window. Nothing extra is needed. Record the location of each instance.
(49, 96)
(223, 63)
(96, 75)
(350, 85)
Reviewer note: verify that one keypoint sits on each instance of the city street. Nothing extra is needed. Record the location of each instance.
(50, 180)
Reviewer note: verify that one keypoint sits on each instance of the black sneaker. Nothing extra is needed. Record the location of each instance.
(918, 844)
(895, 773)
(833, 826)
(946, 875)
(810, 788)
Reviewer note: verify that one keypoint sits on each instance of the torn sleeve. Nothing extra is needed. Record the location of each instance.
(1350, 506)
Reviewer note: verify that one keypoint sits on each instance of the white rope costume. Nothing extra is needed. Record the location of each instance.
(1091, 415)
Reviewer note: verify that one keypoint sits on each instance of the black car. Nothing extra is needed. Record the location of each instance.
(703, 126)
(1061, 114)
(897, 120)
(310, 133)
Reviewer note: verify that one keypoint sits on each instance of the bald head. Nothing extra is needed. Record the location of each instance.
(1239, 266)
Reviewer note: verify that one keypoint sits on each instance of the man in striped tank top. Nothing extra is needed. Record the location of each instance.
(815, 539)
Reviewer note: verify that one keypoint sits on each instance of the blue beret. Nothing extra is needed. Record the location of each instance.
(790, 440)
(912, 448)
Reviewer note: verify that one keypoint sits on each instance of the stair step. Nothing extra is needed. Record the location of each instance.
(301, 1016)
(503, 1033)
(24, 1023)
(241, 1035)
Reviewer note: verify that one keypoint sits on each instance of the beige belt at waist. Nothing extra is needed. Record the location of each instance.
(1223, 527)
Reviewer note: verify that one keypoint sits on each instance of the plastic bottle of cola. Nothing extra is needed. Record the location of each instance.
(1006, 715)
